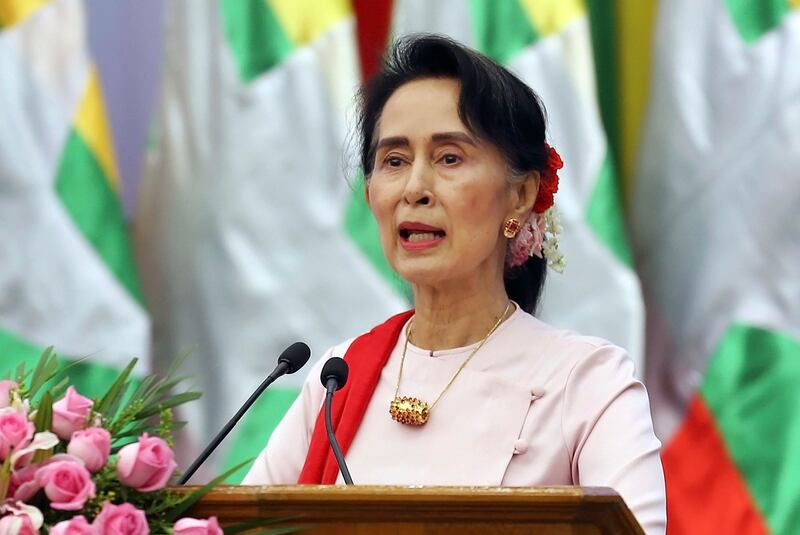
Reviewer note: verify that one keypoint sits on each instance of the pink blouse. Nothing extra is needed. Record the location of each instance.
(535, 406)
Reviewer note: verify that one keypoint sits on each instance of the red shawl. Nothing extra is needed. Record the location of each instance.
(366, 357)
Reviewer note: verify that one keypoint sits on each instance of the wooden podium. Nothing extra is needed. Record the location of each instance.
(426, 510)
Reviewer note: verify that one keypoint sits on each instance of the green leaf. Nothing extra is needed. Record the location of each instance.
(64, 370)
(161, 389)
(120, 438)
(44, 371)
(165, 385)
(112, 408)
(20, 375)
(157, 387)
(178, 361)
(57, 390)
(195, 496)
(142, 388)
(116, 390)
(173, 401)
(177, 425)
(44, 413)
(134, 430)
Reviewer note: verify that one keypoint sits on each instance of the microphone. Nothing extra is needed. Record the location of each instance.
(334, 377)
(292, 359)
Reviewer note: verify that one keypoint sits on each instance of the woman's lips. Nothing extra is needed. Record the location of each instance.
(416, 236)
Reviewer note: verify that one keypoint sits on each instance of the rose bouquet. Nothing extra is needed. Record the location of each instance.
(70, 465)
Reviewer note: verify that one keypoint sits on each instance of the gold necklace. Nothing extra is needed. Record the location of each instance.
(413, 411)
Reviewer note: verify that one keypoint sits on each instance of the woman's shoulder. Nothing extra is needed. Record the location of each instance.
(564, 351)
(532, 327)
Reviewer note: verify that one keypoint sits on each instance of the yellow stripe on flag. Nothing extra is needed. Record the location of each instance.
(635, 23)
(794, 3)
(304, 21)
(552, 16)
(92, 126)
(14, 11)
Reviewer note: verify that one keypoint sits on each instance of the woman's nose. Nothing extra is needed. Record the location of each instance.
(418, 189)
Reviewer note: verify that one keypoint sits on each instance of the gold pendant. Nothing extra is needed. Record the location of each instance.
(409, 411)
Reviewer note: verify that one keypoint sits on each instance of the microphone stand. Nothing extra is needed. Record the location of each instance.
(228, 426)
(337, 452)
(292, 359)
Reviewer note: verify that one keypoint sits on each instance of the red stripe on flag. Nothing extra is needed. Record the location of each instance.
(705, 491)
(373, 19)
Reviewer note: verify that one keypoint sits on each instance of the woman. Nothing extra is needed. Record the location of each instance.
(469, 388)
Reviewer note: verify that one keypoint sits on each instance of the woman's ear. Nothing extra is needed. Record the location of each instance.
(366, 192)
(524, 195)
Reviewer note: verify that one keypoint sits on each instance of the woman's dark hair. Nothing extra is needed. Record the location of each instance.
(494, 105)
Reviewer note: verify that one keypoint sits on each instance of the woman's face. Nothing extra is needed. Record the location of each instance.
(439, 194)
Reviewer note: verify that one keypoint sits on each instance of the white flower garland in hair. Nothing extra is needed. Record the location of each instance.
(549, 247)
(538, 236)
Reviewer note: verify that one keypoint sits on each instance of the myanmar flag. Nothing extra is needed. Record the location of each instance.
(67, 275)
(242, 211)
(717, 236)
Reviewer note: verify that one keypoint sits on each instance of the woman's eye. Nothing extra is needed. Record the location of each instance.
(450, 159)
(394, 161)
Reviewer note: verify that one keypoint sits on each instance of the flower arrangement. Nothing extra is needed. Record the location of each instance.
(70, 465)
(539, 233)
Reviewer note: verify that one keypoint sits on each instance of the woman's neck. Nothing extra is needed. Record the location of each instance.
(447, 319)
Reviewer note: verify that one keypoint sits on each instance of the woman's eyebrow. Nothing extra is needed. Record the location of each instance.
(454, 136)
(402, 141)
(394, 141)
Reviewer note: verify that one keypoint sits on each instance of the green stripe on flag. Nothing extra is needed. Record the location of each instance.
(15, 351)
(502, 28)
(751, 388)
(604, 42)
(96, 210)
(89, 377)
(604, 213)
(754, 18)
(363, 230)
(255, 35)
(256, 427)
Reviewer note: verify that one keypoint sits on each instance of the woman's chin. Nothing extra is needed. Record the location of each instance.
(426, 271)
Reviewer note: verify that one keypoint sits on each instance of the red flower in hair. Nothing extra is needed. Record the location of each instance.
(548, 185)
(554, 160)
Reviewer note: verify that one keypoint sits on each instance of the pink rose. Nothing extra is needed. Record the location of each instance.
(92, 446)
(193, 526)
(122, 519)
(23, 484)
(70, 413)
(15, 431)
(5, 392)
(67, 484)
(77, 525)
(146, 465)
(17, 525)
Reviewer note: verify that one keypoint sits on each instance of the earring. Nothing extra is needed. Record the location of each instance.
(511, 227)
